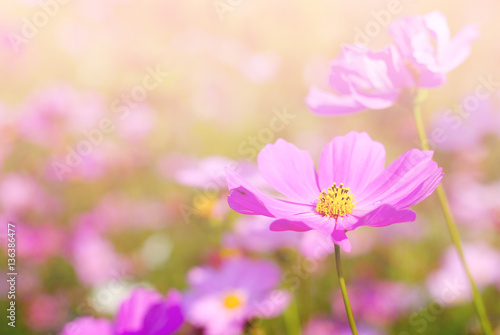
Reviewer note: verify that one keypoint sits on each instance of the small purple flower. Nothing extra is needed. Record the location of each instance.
(222, 299)
(146, 312)
(351, 188)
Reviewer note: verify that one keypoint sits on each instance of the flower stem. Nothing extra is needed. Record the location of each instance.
(292, 318)
(343, 289)
(452, 229)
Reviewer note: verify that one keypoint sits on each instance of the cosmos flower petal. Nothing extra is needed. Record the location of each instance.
(385, 215)
(459, 48)
(289, 170)
(271, 306)
(246, 199)
(284, 225)
(414, 170)
(88, 325)
(164, 318)
(346, 158)
(326, 103)
(339, 237)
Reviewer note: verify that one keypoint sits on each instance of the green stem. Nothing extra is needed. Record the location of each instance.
(452, 229)
(292, 318)
(343, 289)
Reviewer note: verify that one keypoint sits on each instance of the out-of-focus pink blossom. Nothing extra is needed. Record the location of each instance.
(448, 285)
(145, 312)
(45, 312)
(116, 211)
(95, 259)
(475, 204)
(327, 326)
(21, 194)
(426, 46)
(378, 302)
(49, 115)
(463, 131)
(362, 79)
(253, 234)
(222, 300)
(137, 125)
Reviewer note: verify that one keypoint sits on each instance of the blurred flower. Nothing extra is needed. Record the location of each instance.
(449, 285)
(208, 175)
(326, 326)
(50, 114)
(253, 234)
(145, 312)
(138, 124)
(475, 204)
(46, 312)
(426, 46)
(464, 131)
(87, 325)
(21, 194)
(363, 79)
(379, 303)
(222, 300)
(344, 194)
(95, 259)
(117, 211)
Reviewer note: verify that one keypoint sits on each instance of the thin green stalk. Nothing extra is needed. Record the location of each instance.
(452, 229)
(343, 289)
(292, 318)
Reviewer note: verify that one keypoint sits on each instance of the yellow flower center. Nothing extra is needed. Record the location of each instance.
(335, 201)
(232, 301)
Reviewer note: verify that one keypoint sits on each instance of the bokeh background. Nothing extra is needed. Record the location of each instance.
(160, 95)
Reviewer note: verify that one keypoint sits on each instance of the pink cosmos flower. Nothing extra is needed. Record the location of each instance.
(362, 79)
(222, 300)
(423, 53)
(350, 189)
(146, 312)
(426, 46)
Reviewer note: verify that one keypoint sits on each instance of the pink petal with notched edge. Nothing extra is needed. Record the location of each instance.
(413, 170)
(326, 103)
(289, 171)
(346, 160)
(246, 199)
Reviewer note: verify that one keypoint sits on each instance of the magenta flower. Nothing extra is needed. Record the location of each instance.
(350, 189)
(146, 312)
(222, 300)
(362, 79)
(423, 53)
(425, 44)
